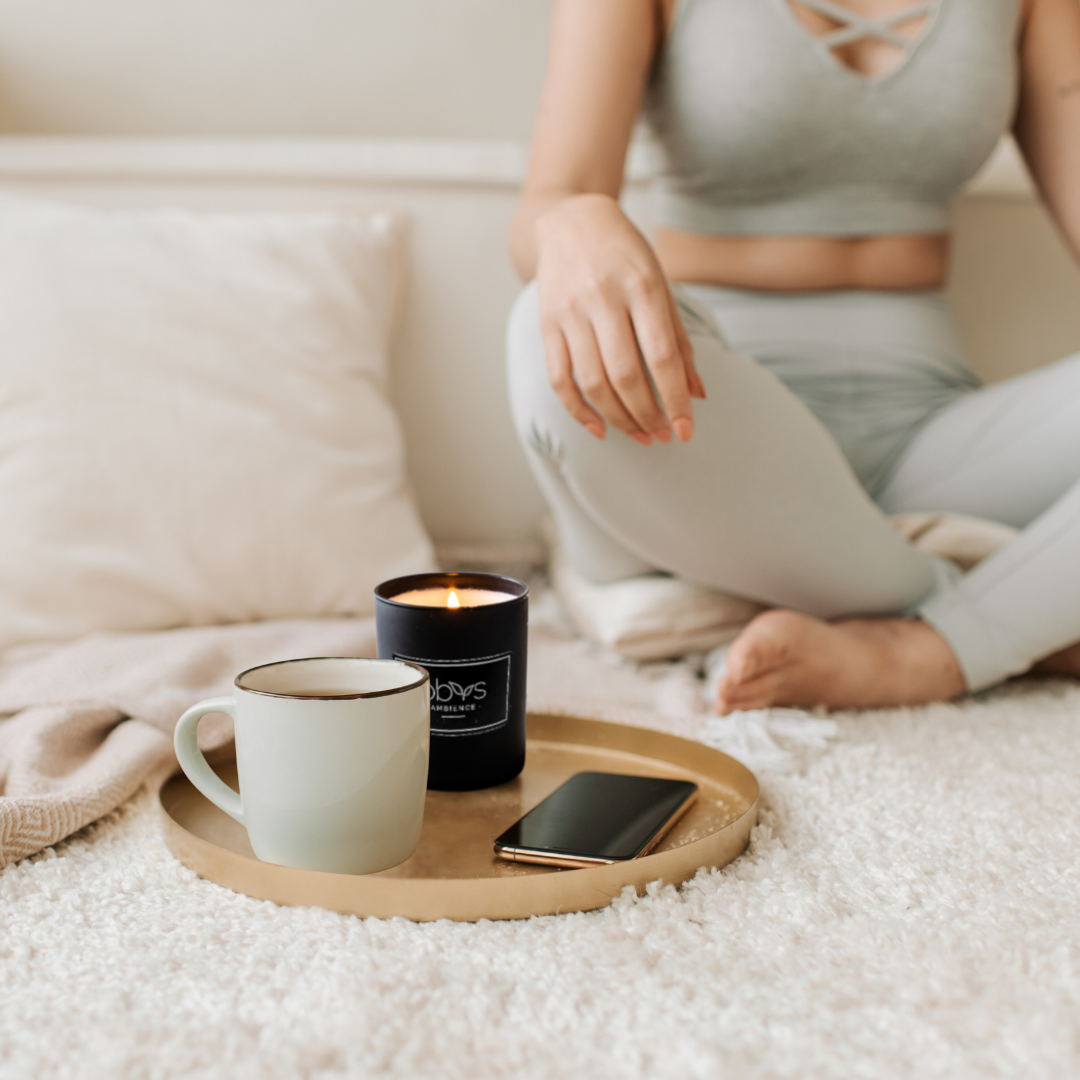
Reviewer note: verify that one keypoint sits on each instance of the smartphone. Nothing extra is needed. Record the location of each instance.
(597, 818)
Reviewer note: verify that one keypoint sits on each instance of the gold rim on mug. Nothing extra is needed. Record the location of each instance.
(331, 697)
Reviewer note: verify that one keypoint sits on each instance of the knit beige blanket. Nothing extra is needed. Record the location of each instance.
(84, 725)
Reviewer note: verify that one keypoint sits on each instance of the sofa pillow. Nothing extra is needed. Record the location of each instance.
(194, 426)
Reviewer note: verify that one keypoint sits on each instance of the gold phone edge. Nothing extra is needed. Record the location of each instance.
(545, 858)
(670, 823)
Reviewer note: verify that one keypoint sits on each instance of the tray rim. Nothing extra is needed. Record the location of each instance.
(473, 899)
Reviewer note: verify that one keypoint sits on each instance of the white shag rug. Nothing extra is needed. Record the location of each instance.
(909, 907)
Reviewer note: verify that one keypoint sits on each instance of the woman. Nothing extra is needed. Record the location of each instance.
(803, 378)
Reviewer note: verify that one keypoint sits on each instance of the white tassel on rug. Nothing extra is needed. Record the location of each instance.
(751, 736)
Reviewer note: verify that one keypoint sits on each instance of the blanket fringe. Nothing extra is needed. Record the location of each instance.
(752, 737)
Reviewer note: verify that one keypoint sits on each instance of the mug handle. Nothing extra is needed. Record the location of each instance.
(186, 742)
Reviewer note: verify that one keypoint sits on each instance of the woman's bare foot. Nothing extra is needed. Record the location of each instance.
(783, 658)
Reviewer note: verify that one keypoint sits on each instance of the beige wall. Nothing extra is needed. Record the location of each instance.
(413, 68)
(1014, 286)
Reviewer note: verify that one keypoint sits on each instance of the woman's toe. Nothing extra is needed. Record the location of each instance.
(758, 693)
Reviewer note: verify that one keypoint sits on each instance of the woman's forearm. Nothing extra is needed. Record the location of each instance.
(1048, 120)
(599, 61)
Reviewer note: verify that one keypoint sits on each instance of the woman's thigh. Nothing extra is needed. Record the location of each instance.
(761, 502)
(1006, 452)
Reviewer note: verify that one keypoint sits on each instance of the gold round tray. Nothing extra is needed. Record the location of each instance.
(454, 874)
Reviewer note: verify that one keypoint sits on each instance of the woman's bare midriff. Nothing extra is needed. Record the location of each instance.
(800, 264)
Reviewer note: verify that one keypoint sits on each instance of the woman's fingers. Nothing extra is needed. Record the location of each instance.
(625, 373)
(654, 327)
(686, 348)
(561, 377)
(593, 375)
(595, 364)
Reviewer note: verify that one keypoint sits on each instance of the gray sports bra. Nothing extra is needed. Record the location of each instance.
(764, 130)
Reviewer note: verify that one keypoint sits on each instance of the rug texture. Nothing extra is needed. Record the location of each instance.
(908, 907)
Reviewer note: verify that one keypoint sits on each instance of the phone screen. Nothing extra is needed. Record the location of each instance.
(598, 817)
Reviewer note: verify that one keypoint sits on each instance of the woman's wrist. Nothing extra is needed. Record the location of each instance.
(572, 210)
(581, 228)
(539, 217)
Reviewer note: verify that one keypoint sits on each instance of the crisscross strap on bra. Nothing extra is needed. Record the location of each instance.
(764, 130)
(854, 26)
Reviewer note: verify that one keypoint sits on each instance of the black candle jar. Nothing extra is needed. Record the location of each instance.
(476, 658)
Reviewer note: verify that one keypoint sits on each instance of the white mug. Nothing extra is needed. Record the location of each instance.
(332, 756)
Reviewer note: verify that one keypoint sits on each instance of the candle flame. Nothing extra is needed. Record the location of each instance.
(452, 600)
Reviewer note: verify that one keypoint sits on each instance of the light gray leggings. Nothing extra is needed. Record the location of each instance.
(855, 404)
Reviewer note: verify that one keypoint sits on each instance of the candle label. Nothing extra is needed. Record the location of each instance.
(468, 697)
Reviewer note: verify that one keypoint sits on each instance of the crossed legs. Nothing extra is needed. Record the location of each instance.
(1011, 453)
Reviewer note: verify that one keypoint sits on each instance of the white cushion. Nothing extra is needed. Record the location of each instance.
(193, 420)
(650, 617)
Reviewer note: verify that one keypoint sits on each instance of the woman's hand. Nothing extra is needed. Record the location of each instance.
(609, 322)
